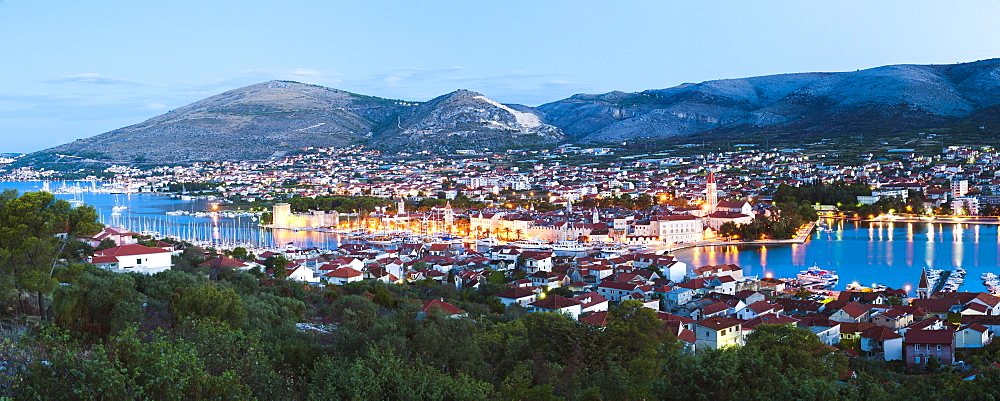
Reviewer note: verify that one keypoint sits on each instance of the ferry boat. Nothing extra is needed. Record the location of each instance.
(613, 250)
(816, 275)
(532, 244)
(570, 246)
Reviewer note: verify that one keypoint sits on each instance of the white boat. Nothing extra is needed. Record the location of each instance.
(531, 244)
(613, 250)
(819, 276)
(858, 287)
(385, 241)
(570, 246)
(489, 242)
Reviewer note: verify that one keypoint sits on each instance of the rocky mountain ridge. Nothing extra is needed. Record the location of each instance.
(265, 121)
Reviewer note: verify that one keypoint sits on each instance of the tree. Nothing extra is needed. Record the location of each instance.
(561, 291)
(161, 287)
(211, 302)
(98, 303)
(381, 375)
(29, 245)
(240, 253)
(277, 264)
(106, 243)
(728, 229)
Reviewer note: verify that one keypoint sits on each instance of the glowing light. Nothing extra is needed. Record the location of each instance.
(906, 288)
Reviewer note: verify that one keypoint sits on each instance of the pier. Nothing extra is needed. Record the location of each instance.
(941, 281)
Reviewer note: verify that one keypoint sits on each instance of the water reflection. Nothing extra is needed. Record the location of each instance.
(893, 258)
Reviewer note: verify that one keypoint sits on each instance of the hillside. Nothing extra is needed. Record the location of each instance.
(883, 98)
(267, 120)
(465, 120)
(256, 122)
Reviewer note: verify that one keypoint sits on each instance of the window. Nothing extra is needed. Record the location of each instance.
(916, 359)
(939, 347)
(916, 347)
(138, 261)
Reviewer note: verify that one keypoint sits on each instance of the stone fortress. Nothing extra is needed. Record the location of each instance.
(284, 218)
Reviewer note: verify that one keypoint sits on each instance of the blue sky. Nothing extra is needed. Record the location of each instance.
(74, 69)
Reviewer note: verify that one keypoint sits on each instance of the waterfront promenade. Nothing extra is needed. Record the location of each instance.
(981, 220)
(800, 237)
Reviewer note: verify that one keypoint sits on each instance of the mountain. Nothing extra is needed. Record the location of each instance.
(267, 120)
(465, 120)
(890, 98)
(256, 122)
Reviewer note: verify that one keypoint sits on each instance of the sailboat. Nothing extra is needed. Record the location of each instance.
(118, 208)
(77, 200)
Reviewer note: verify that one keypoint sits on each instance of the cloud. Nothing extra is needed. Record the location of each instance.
(97, 79)
(298, 74)
(154, 106)
(400, 75)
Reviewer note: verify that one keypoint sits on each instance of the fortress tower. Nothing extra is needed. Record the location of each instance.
(281, 214)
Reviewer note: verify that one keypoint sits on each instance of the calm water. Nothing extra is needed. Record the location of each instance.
(878, 252)
(147, 212)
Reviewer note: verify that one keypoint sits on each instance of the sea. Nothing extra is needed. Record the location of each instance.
(147, 212)
(885, 252)
(881, 252)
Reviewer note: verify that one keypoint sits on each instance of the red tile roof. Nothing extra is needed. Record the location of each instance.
(719, 323)
(223, 261)
(880, 333)
(130, 250)
(554, 302)
(344, 272)
(596, 319)
(439, 304)
(929, 337)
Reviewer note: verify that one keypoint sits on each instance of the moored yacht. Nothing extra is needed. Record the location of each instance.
(815, 275)
(531, 244)
(489, 242)
(570, 246)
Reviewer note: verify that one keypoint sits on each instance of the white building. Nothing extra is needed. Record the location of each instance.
(959, 188)
(133, 258)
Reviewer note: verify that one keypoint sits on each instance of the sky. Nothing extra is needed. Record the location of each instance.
(72, 69)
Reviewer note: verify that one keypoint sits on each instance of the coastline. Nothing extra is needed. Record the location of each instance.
(800, 237)
(980, 220)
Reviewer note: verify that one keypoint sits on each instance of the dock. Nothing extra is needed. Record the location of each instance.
(941, 281)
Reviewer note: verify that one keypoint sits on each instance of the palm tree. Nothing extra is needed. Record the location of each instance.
(519, 232)
(507, 231)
